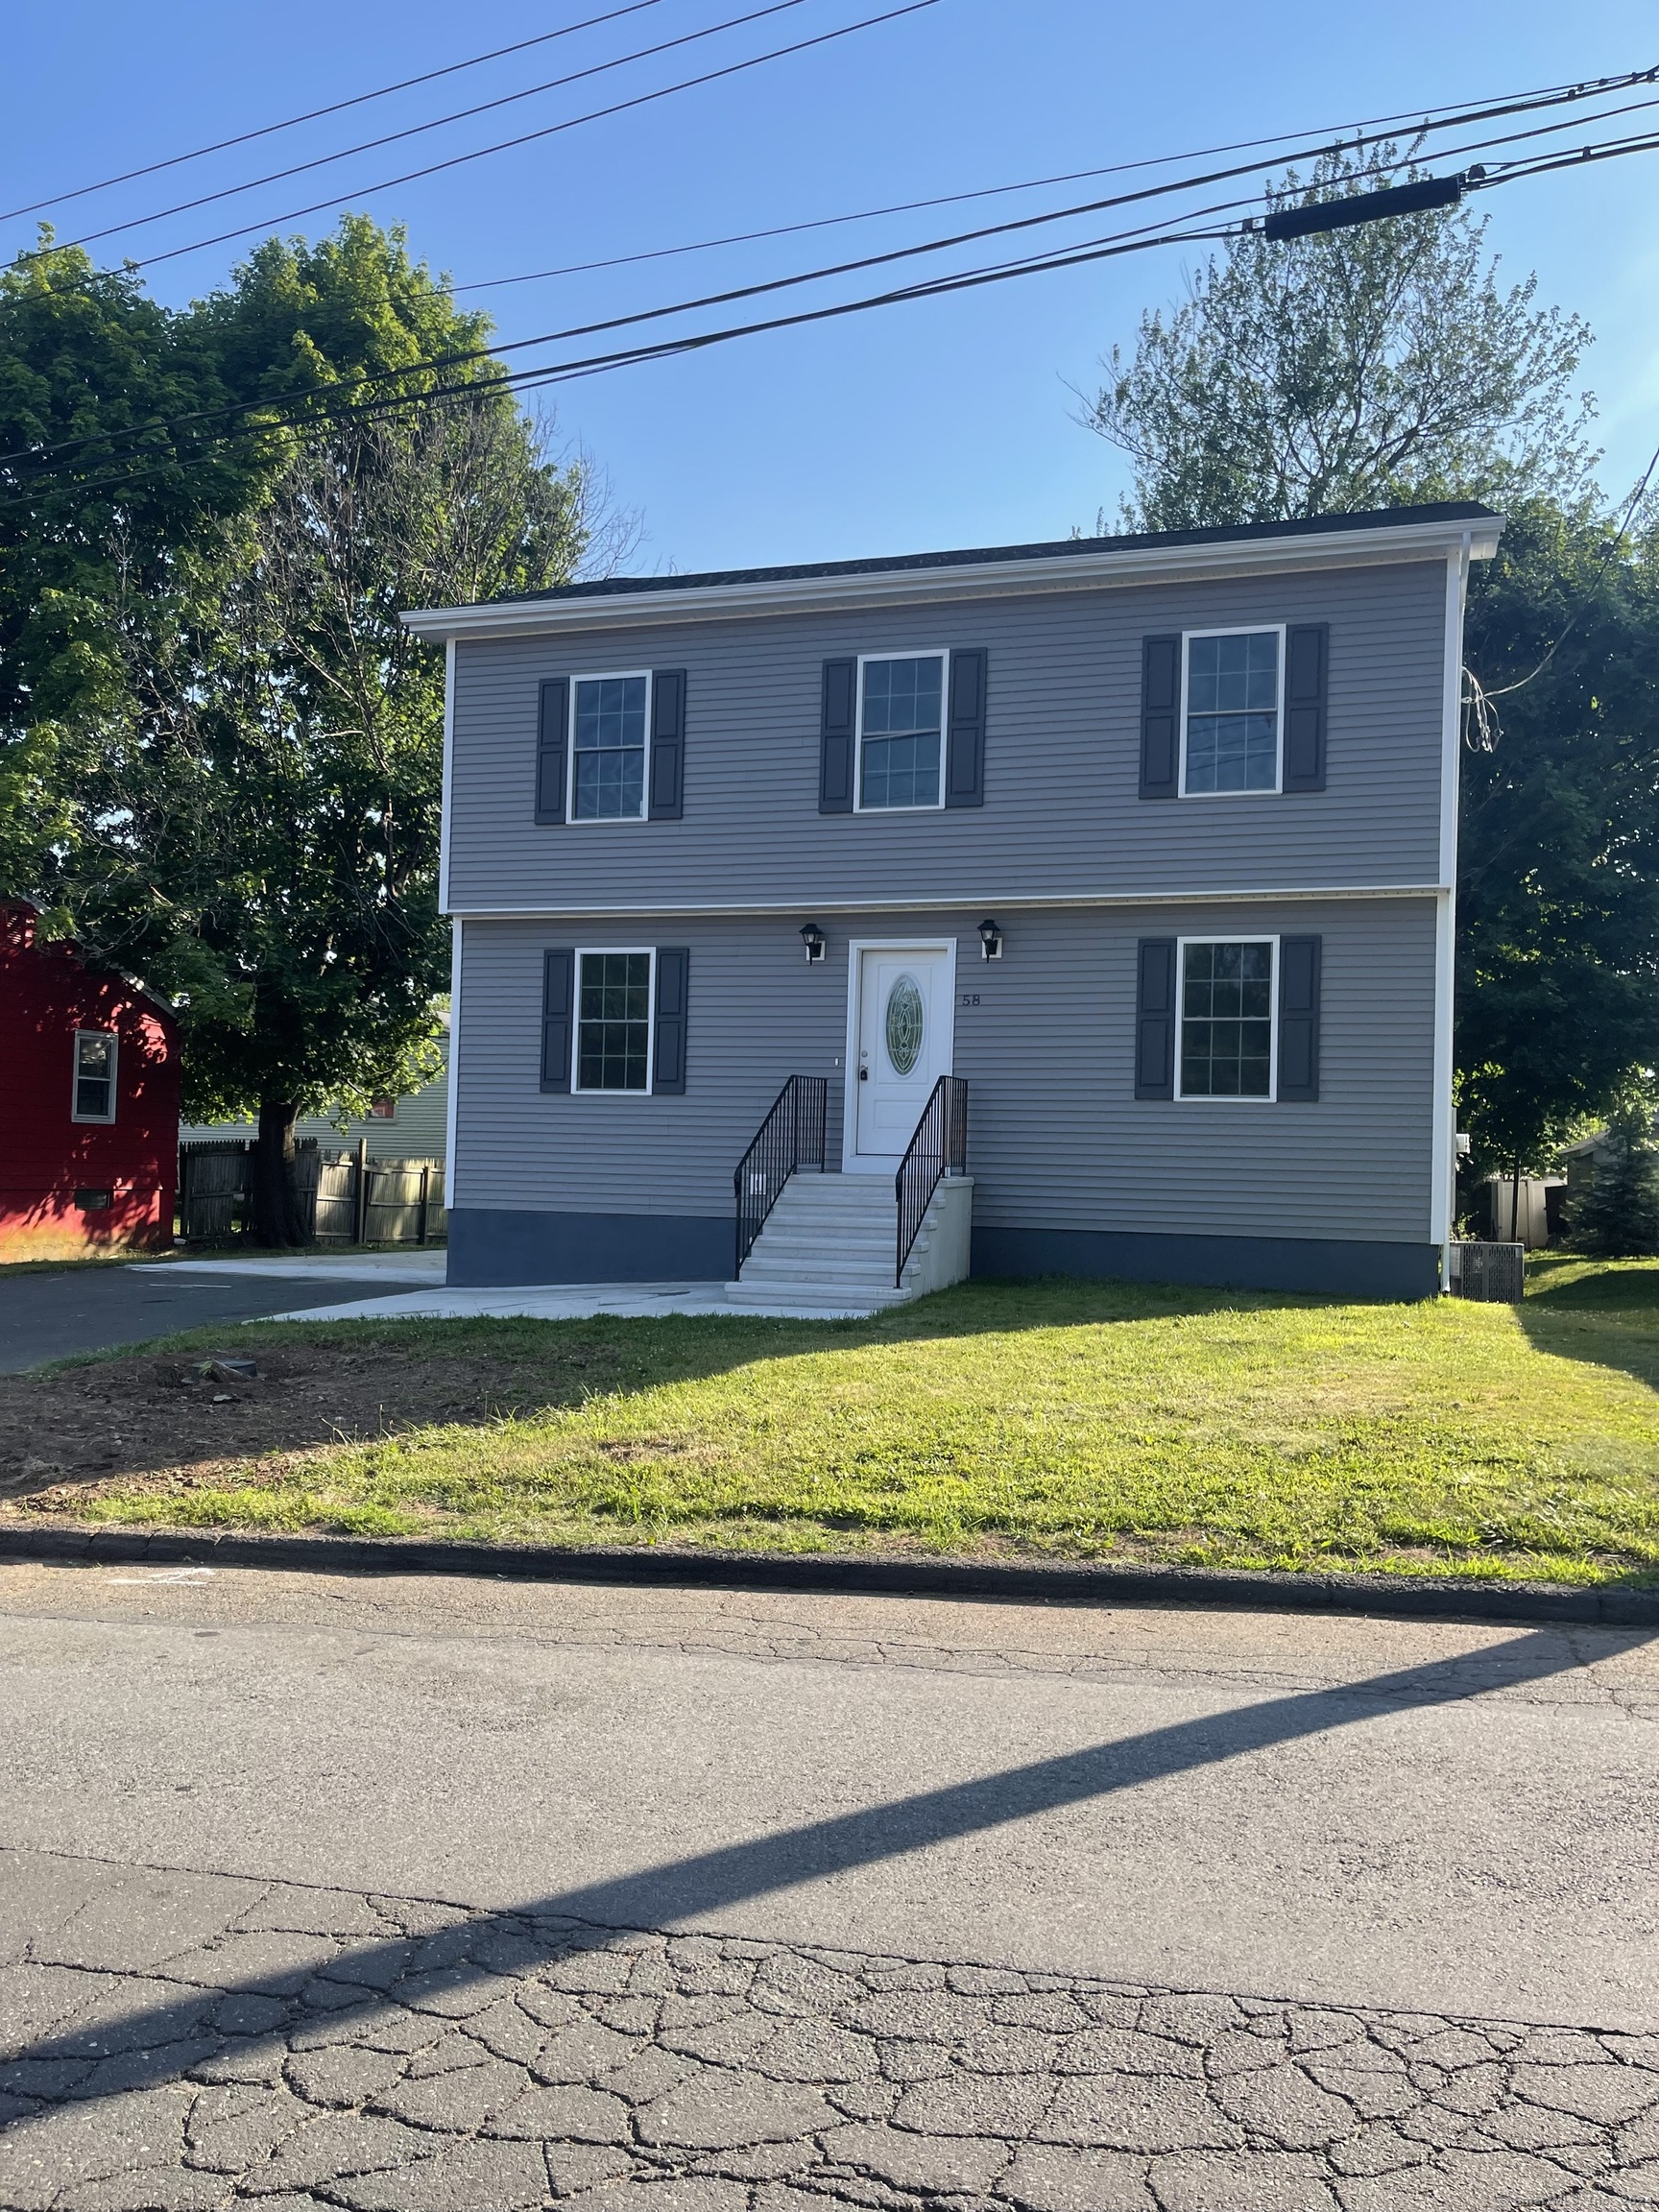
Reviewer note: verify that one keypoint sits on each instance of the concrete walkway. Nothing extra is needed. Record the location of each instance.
(439, 1895)
(563, 1302)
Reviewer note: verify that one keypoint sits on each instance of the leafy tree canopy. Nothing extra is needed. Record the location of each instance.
(253, 824)
(1352, 370)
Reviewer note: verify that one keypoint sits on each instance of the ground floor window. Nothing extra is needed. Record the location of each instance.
(613, 1021)
(94, 1091)
(1226, 1018)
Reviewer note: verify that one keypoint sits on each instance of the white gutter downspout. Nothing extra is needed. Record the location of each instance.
(1443, 1171)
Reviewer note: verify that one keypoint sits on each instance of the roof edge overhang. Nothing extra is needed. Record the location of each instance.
(1111, 567)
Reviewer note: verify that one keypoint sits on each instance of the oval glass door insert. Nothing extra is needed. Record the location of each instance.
(903, 1024)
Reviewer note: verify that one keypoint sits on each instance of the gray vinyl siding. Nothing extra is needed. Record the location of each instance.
(1062, 813)
(1057, 1138)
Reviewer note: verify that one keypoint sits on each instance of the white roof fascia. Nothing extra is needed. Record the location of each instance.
(973, 580)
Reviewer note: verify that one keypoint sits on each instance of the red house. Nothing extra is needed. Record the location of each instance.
(89, 1102)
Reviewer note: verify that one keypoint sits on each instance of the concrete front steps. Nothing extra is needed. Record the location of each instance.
(830, 1241)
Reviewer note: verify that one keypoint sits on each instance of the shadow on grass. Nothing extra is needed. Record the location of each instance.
(158, 1407)
(1603, 1312)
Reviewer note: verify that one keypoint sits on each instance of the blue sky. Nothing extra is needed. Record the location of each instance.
(939, 424)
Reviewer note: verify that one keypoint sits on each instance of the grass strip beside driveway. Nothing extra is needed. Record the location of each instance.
(1057, 1419)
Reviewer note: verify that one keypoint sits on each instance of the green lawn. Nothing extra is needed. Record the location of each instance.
(1055, 1419)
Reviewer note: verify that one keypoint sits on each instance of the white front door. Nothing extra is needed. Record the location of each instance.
(902, 1034)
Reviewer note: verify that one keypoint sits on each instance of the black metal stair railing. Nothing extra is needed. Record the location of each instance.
(938, 1148)
(790, 1138)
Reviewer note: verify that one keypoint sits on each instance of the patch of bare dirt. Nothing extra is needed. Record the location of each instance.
(186, 1414)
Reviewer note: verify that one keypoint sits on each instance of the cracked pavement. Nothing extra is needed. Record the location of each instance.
(439, 1896)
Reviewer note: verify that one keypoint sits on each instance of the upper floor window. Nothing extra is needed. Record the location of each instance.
(94, 1089)
(1231, 711)
(613, 1021)
(383, 1110)
(608, 727)
(901, 707)
(1225, 1022)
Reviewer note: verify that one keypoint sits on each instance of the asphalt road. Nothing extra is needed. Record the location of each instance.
(50, 1315)
(423, 1894)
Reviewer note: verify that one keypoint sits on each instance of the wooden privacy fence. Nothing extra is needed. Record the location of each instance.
(345, 1197)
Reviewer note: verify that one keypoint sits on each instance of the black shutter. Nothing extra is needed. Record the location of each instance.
(1299, 964)
(558, 996)
(668, 1048)
(668, 743)
(1306, 648)
(837, 737)
(552, 735)
(1155, 1019)
(965, 731)
(1160, 717)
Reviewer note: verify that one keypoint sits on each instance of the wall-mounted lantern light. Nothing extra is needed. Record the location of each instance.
(814, 940)
(990, 941)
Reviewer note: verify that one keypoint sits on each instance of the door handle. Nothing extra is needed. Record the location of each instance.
(863, 1074)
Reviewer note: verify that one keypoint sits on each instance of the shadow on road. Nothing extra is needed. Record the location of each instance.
(167, 2039)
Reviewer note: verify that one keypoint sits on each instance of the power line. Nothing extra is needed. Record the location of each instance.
(334, 391)
(438, 123)
(335, 108)
(1594, 90)
(551, 130)
(1055, 258)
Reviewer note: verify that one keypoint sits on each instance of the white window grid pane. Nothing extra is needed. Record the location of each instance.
(1227, 1020)
(614, 1021)
(901, 728)
(608, 752)
(1230, 738)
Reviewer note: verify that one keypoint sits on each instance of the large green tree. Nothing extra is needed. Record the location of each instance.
(1558, 878)
(1386, 364)
(1352, 370)
(257, 830)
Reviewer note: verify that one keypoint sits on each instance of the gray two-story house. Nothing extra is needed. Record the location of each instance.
(1131, 857)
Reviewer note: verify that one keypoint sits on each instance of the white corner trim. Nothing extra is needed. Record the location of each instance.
(447, 802)
(971, 579)
(453, 1103)
(1443, 1140)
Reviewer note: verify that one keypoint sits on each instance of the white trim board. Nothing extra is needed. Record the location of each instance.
(957, 902)
(1106, 569)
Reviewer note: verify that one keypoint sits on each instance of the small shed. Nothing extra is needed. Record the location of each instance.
(89, 1102)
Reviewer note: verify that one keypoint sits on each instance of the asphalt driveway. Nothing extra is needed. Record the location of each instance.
(50, 1315)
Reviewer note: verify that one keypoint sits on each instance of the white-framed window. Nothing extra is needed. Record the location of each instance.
(92, 1092)
(616, 1002)
(1232, 718)
(1227, 1017)
(609, 738)
(900, 732)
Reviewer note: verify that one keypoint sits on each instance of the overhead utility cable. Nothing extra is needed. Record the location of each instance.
(334, 108)
(550, 130)
(438, 123)
(597, 363)
(1033, 184)
(459, 357)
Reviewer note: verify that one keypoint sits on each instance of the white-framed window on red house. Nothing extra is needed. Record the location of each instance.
(92, 1096)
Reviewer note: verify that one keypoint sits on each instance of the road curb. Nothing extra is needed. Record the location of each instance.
(1039, 1582)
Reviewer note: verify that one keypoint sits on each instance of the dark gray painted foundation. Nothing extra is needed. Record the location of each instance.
(497, 1247)
(1338, 1269)
(491, 1245)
